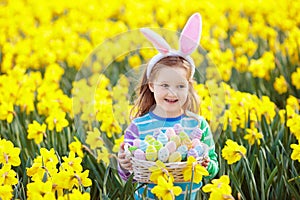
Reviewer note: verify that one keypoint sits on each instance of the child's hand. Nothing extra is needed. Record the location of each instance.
(205, 162)
(123, 161)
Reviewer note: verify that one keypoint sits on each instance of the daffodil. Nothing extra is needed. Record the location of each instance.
(7, 175)
(57, 120)
(280, 85)
(220, 189)
(157, 170)
(165, 188)
(103, 155)
(194, 171)
(296, 152)
(253, 135)
(77, 195)
(6, 192)
(36, 131)
(40, 190)
(94, 138)
(233, 152)
(8, 153)
(72, 162)
(76, 147)
(117, 144)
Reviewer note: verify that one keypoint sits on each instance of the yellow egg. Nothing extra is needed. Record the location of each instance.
(151, 153)
(176, 139)
(175, 157)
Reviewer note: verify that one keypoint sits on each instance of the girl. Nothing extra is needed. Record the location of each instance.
(167, 97)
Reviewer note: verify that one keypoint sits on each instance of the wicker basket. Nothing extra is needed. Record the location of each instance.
(142, 172)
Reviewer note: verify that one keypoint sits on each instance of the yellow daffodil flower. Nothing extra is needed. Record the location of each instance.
(72, 162)
(40, 190)
(165, 188)
(103, 155)
(76, 147)
(157, 170)
(7, 175)
(233, 152)
(253, 135)
(194, 170)
(36, 131)
(94, 138)
(219, 189)
(8, 153)
(296, 152)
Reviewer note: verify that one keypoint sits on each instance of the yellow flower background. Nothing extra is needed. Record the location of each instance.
(68, 70)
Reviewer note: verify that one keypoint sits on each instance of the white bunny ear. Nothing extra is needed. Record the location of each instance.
(190, 35)
(159, 43)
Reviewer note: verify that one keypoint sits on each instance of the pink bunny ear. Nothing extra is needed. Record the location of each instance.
(159, 43)
(190, 35)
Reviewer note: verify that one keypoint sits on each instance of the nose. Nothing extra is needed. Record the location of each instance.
(172, 91)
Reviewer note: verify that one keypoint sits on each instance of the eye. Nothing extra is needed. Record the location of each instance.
(164, 85)
(181, 86)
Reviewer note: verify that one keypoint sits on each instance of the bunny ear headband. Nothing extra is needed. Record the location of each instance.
(188, 42)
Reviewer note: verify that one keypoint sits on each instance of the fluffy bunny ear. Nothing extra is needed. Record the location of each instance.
(190, 35)
(159, 43)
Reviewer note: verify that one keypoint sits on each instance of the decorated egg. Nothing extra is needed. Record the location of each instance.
(156, 133)
(199, 149)
(151, 153)
(177, 128)
(183, 136)
(158, 145)
(196, 134)
(175, 157)
(176, 139)
(171, 146)
(163, 138)
(143, 145)
(193, 152)
(187, 142)
(150, 139)
(139, 154)
(127, 151)
(136, 142)
(183, 150)
(170, 132)
(163, 154)
(195, 142)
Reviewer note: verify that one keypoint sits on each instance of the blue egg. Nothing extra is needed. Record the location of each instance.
(199, 149)
(183, 150)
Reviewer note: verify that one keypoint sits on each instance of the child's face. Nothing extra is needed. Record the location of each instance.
(170, 88)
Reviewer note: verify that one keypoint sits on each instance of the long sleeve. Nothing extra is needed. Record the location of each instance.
(207, 138)
(131, 133)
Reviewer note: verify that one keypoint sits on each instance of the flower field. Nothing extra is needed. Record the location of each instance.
(68, 70)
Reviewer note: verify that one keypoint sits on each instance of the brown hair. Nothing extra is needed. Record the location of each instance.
(146, 99)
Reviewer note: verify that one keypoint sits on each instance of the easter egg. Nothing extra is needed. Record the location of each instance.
(163, 138)
(151, 153)
(187, 142)
(196, 134)
(176, 139)
(136, 142)
(171, 146)
(195, 142)
(183, 150)
(170, 132)
(158, 145)
(175, 157)
(143, 145)
(139, 154)
(163, 154)
(199, 149)
(183, 136)
(193, 152)
(150, 139)
(177, 128)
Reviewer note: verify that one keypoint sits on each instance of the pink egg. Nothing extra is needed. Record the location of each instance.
(171, 146)
(136, 142)
(170, 132)
(139, 154)
(195, 142)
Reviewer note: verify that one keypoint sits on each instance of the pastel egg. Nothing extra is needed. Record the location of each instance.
(176, 139)
(183, 136)
(143, 145)
(196, 134)
(156, 133)
(158, 145)
(171, 146)
(136, 142)
(183, 150)
(151, 153)
(163, 138)
(199, 149)
(175, 157)
(139, 154)
(195, 142)
(177, 128)
(170, 132)
(187, 142)
(150, 139)
(163, 154)
(193, 152)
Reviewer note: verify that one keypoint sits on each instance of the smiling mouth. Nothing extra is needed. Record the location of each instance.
(171, 101)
